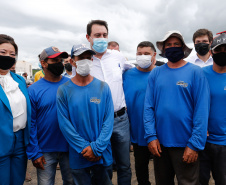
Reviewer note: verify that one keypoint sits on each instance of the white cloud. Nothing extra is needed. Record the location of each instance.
(38, 24)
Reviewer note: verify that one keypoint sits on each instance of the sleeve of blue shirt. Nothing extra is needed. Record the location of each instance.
(103, 140)
(77, 142)
(33, 151)
(149, 115)
(201, 94)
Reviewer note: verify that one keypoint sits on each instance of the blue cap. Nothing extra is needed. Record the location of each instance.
(79, 49)
(52, 52)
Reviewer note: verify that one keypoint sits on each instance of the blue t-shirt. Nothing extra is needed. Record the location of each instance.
(86, 118)
(45, 134)
(177, 106)
(217, 117)
(134, 85)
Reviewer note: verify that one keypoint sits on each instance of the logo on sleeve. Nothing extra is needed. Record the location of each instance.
(182, 84)
(225, 88)
(95, 100)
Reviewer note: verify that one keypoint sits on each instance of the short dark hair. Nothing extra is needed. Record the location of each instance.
(146, 44)
(202, 32)
(92, 22)
(7, 39)
(113, 42)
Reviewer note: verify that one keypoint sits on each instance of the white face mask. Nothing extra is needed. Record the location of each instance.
(83, 67)
(144, 61)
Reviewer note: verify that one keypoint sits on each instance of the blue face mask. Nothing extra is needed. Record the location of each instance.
(174, 54)
(100, 44)
(39, 65)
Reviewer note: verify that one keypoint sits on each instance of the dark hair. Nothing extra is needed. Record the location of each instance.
(7, 39)
(99, 22)
(113, 43)
(202, 32)
(146, 44)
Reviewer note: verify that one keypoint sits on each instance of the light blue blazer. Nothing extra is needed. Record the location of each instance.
(6, 118)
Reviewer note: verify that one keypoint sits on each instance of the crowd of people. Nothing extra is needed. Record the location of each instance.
(87, 108)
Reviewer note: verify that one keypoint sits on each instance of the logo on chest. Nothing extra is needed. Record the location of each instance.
(182, 84)
(95, 100)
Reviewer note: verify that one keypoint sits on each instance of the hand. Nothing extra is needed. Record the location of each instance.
(154, 147)
(39, 163)
(190, 156)
(89, 155)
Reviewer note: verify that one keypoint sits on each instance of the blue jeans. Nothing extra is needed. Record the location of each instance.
(13, 166)
(47, 176)
(94, 175)
(120, 141)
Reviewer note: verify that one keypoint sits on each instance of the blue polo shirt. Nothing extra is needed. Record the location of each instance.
(134, 85)
(86, 118)
(45, 134)
(176, 107)
(217, 117)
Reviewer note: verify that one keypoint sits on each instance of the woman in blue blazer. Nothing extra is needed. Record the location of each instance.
(15, 117)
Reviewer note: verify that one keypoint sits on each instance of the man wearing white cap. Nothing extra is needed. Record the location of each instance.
(213, 158)
(176, 113)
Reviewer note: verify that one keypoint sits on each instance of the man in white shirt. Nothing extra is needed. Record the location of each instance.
(108, 66)
(202, 39)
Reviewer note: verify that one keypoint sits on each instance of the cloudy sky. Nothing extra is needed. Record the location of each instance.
(38, 24)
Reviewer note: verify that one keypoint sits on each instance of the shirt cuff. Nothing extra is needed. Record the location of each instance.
(94, 148)
(189, 145)
(37, 156)
(151, 138)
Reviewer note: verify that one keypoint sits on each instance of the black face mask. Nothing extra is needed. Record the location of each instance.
(68, 67)
(202, 48)
(56, 68)
(174, 54)
(220, 59)
(6, 62)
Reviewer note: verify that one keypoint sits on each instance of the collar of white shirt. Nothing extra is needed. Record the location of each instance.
(197, 61)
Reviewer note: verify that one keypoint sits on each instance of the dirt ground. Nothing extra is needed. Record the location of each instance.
(58, 180)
